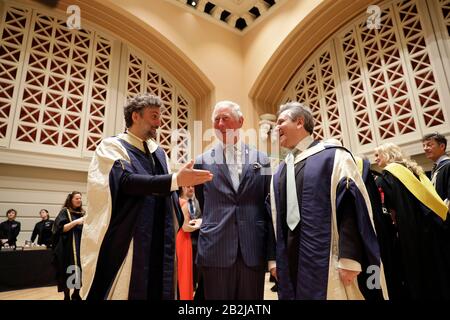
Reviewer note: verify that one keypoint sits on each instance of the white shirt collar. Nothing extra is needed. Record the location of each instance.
(304, 143)
(138, 142)
(441, 158)
(237, 145)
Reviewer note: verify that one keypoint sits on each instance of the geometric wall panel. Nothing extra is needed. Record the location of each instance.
(98, 92)
(315, 86)
(59, 86)
(390, 79)
(441, 23)
(63, 89)
(12, 41)
(143, 76)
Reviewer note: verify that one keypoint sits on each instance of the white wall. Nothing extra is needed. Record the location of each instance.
(30, 189)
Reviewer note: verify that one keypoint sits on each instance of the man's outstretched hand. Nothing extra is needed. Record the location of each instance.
(347, 276)
(187, 176)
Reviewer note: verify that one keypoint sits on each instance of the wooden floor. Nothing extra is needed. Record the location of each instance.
(44, 293)
(50, 293)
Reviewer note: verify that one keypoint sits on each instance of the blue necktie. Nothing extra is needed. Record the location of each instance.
(191, 209)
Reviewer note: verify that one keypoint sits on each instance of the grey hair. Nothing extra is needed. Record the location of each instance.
(137, 104)
(235, 109)
(298, 110)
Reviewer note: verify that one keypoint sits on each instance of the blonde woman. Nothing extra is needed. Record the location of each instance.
(419, 270)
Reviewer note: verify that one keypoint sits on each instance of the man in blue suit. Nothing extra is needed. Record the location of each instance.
(236, 238)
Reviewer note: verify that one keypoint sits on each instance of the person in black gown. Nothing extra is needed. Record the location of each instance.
(434, 146)
(67, 236)
(419, 269)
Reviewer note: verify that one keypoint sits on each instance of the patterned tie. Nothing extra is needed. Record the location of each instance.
(231, 158)
(433, 177)
(433, 169)
(292, 210)
(149, 156)
(191, 209)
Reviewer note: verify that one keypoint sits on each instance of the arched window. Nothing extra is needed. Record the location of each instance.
(367, 86)
(62, 90)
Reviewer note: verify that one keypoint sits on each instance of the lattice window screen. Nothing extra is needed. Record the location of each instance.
(383, 68)
(183, 141)
(12, 39)
(316, 87)
(424, 86)
(440, 9)
(58, 86)
(362, 119)
(393, 87)
(444, 6)
(143, 76)
(390, 80)
(59, 98)
(98, 106)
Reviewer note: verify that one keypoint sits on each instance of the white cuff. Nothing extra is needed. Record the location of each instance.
(349, 264)
(174, 185)
(271, 264)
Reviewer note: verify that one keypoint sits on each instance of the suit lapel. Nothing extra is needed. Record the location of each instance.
(276, 184)
(218, 156)
(160, 155)
(249, 156)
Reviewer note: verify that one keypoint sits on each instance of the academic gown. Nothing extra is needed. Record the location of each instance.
(441, 182)
(66, 247)
(442, 186)
(128, 247)
(420, 267)
(385, 231)
(332, 188)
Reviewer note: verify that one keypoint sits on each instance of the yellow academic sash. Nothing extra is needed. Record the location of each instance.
(359, 164)
(423, 190)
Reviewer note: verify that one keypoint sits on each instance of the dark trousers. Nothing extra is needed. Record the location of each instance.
(237, 282)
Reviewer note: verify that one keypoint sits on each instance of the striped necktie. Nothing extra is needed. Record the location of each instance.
(191, 209)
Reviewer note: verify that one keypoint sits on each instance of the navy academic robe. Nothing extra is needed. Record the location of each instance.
(331, 188)
(140, 229)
